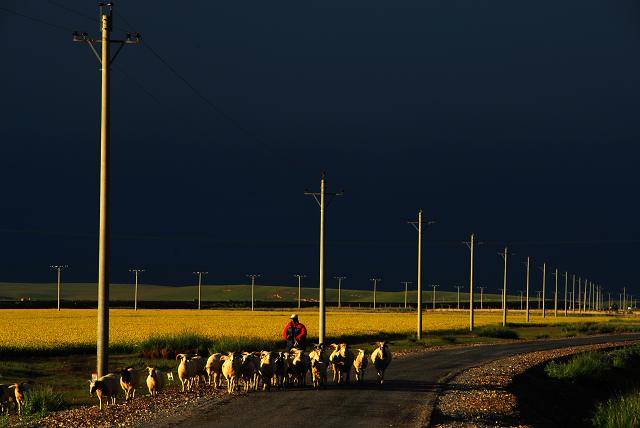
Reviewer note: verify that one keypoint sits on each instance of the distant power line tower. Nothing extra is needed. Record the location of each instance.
(59, 269)
(200, 274)
(136, 272)
(105, 59)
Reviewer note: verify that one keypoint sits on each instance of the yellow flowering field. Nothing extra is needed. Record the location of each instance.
(47, 328)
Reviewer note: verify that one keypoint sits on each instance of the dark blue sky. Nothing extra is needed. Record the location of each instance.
(514, 120)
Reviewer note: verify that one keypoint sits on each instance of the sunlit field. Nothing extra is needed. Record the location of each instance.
(44, 328)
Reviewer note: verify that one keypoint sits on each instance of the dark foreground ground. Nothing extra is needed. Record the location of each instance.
(406, 399)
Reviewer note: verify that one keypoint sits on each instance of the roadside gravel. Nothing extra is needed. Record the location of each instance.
(480, 397)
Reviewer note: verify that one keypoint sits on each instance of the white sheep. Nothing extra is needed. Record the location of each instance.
(186, 371)
(200, 364)
(360, 365)
(341, 360)
(231, 370)
(319, 363)
(214, 369)
(155, 381)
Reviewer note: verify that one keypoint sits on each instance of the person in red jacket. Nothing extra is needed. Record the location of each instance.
(296, 333)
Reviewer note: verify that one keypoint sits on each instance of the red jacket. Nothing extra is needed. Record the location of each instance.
(296, 327)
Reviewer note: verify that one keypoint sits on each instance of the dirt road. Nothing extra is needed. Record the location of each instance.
(405, 400)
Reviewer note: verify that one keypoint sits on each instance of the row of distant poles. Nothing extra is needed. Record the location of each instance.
(593, 295)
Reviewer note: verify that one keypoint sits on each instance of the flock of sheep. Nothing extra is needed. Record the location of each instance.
(254, 370)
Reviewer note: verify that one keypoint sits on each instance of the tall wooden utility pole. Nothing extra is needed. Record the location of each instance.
(339, 278)
(199, 274)
(105, 59)
(471, 245)
(135, 294)
(59, 269)
(418, 225)
(321, 199)
(253, 277)
(505, 257)
(481, 297)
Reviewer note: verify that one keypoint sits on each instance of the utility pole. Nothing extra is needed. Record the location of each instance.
(59, 269)
(105, 59)
(135, 294)
(458, 287)
(320, 198)
(253, 277)
(375, 286)
(339, 278)
(505, 257)
(624, 299)
(434, 295)
(300, 276)
(566, 286)
(528, 264)
(584, 300)
(521, 291)
(471, 246)
(200, 274)
(579, 294)
(609, 293)
(418, 225)
(573, 293)
(620, 307)
(481, 296)
(538, 292)
(555, 295)
(406, 289)
(544, 288)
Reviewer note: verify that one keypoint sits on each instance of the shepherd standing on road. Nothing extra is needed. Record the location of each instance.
(296, 333)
